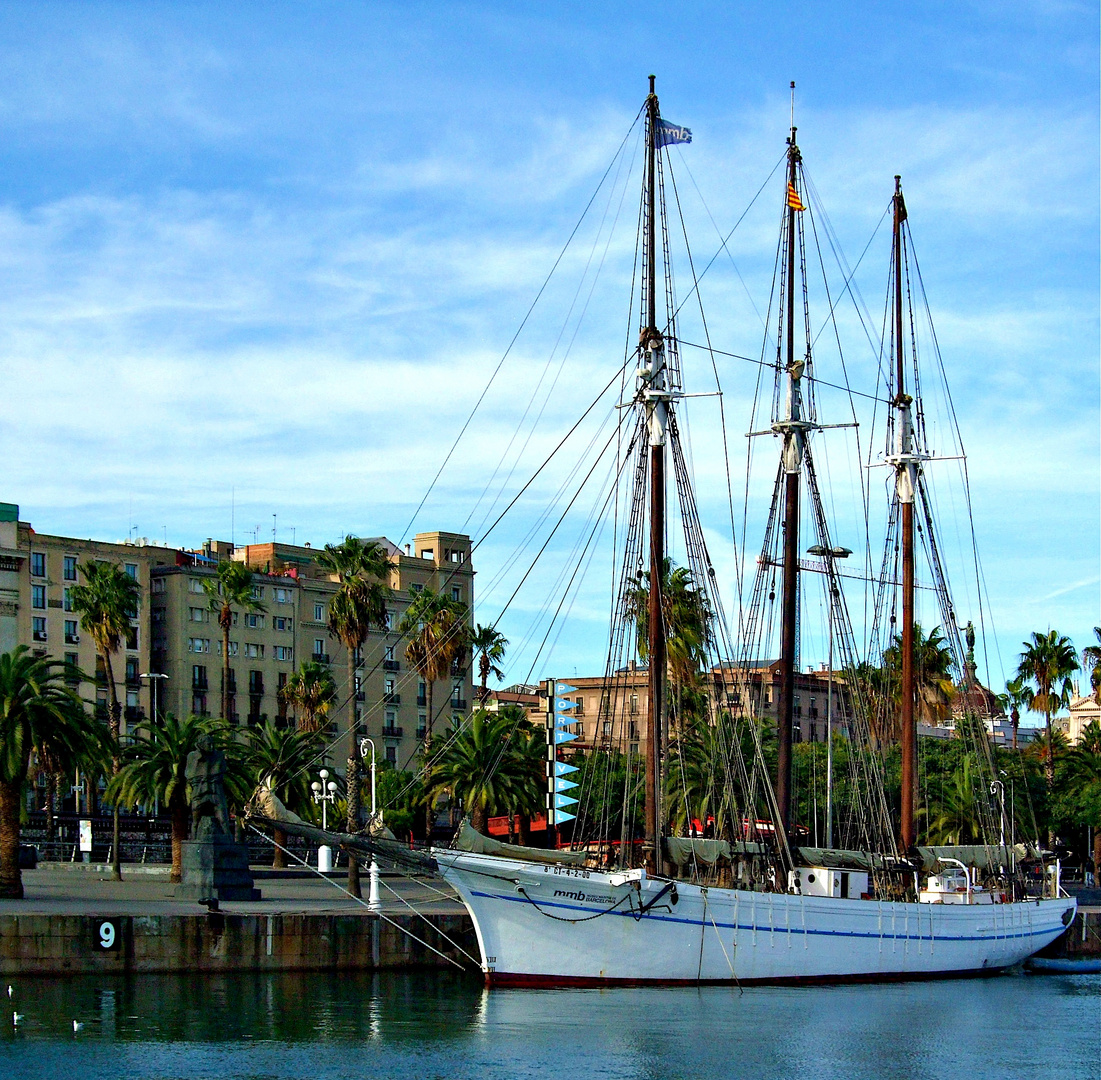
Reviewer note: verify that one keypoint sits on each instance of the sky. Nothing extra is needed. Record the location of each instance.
(259, 261)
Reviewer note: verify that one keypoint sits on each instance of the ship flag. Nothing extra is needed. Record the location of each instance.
(668, 134)
(793, 198)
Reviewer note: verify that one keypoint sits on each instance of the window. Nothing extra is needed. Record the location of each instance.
(391, 718)
(632, 706)
(415, 588)
(132, 570)
(72, 674)
(198, 644)
(392, 754)
(258, 592)
(388, 622)
(456, 593)
(198, 704)
(255, 682)
(254, 621)
(318, 646)
(279, 622)
(38, 628)
(71, 636)
(158, 585)
(233, 648)
(198, 677)
(253, 651)
(319, 612)
(456, 691)
(38, 564)
(389, 652)
(580, 710)
(69, 571)
(426, 553)
(38, 597)
(67, 599)
(388, 686)
(284, 652)
(281, 596)
(131, 699)
(196, 614)
(132, 639)
(421, 693)
(194, 585)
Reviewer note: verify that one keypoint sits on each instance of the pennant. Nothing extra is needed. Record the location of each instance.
(667, 134)
(793, 198)
(565, 703)
(561, 736)
(561, 816)
(562, 769)
(564, 800)
(563, 785)
(562, 688)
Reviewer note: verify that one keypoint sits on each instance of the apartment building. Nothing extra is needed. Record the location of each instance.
(175, 637)
(266, 646)
(37, 573)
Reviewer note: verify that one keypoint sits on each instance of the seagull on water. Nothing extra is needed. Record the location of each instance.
(77, 1026)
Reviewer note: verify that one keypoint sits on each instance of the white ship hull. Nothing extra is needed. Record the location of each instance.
(552, 925)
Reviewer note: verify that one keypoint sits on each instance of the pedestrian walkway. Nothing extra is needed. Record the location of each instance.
(75, 889)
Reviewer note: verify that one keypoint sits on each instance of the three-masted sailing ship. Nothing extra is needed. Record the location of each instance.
(752, 902)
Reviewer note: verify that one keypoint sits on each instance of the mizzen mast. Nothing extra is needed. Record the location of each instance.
(905, 463)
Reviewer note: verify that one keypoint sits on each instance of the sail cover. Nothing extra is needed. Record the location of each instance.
(685, 849)
(468, 839)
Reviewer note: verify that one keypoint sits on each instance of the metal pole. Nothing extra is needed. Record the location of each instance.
(829, 740)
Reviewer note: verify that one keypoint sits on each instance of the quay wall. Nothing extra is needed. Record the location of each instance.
(50, 945)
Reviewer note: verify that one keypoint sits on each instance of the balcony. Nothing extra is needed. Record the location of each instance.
(72, 639)
(320, 658)
(458, 702)
(133, 714)
(361, 695)
(199, 686)
(391, 733)
(39, 635)
(391, 699)
(391, 665)
(422, 732)
(422, 700)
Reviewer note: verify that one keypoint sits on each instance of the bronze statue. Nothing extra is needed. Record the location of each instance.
(205, 772)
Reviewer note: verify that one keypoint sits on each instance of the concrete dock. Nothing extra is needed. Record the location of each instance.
(75, 920)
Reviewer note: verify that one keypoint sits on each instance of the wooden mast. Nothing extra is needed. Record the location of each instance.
(656, 398)
(793, 429)
(905, 479)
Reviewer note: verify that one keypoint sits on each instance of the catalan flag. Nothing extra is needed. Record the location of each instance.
(793, 198)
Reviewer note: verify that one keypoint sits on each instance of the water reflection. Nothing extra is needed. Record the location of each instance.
(417, 1024)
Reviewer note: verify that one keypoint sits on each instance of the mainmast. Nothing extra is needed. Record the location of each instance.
(793, 428)
(905, 463)
(656, 396)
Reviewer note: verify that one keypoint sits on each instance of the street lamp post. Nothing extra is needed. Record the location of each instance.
(829, 554)
(372, 895)
(324, 793)
(154, 677)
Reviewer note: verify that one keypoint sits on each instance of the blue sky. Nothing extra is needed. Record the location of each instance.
(267, 255)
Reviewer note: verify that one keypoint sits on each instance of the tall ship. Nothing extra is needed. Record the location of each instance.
(686, 856)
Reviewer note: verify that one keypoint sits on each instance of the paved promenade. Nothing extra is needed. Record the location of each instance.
(76, 889)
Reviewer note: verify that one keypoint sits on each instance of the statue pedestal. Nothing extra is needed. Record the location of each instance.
(216, 868)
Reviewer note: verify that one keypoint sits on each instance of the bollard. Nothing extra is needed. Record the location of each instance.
(372, 897)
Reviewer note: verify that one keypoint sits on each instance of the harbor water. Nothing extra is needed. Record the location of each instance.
(433, 1024)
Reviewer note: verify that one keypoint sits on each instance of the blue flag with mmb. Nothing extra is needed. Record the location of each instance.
(671, 134)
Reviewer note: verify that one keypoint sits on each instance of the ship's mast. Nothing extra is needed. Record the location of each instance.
(656, 397)
(905, 463)
(793, 428)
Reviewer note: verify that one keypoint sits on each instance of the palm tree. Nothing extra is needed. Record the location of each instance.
(956, 821)
(106, 603)
(231, 588)
(1091, 659)
(1018, 695)
(489, 645)
(1082, 771)
(310, 691)
(485, 767)
(281, 758)
(688, 620)
(154, 767)
(1048, 661)
(38, 713)
(363, 570)
(438, 636)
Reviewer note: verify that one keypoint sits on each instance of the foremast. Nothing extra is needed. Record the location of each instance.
(656, 397)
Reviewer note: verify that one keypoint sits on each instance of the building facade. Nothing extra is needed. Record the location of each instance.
(172, 661)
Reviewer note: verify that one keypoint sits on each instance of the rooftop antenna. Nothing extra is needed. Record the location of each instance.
(792, 125)
(274, 518)
(232, 513)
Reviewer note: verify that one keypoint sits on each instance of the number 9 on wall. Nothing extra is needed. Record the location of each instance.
(108, 935)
